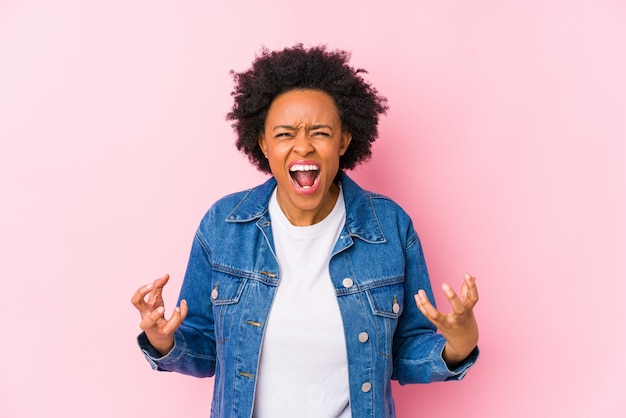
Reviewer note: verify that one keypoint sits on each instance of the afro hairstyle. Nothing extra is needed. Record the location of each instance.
(296, 68)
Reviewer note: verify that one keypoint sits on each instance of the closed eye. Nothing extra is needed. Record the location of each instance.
(283, 135)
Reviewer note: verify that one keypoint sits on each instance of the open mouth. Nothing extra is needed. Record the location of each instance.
(304, 176)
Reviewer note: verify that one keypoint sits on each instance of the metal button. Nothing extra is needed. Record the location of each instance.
(366, 387)
(347, 282)
(363, 337)
(214, 294)
(396, 308)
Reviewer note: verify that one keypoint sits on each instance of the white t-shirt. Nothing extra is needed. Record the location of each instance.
(303, 370)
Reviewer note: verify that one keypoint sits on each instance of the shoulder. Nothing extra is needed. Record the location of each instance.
(380, 203)
(383, 200)
(394, 221)
(225, 205)
(389, 212)
(374, 216)
(242, 206)
(231, 200)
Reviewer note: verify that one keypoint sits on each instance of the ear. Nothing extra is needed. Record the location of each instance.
(346, 138)
(262, 143)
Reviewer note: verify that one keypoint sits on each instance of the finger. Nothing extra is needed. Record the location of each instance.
(472, 290)
(464, 290)
(161, 281)
(455, 302)
(138, 299)
(152, 318)
(184, 308)
(177, 318)
(427, 308)
(156, 296)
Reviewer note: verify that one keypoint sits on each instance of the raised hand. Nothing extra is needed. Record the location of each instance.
(459, 327)
(160, 331)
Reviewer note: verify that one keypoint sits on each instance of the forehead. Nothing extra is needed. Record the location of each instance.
(303, 105)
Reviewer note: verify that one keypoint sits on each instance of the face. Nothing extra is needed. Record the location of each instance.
(303, 140)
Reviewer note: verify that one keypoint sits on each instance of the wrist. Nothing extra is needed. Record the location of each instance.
(162, 346)
(453, 357)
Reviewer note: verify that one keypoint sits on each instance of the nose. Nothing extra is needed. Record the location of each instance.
(302, 144)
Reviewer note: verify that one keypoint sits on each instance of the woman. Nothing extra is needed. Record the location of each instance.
(306, 295)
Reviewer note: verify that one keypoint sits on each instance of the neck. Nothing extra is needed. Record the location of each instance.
(308, 217)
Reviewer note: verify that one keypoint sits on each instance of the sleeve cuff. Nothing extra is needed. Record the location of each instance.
(461, 369)
(157, 360)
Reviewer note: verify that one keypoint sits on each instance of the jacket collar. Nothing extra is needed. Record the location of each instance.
(361, 219)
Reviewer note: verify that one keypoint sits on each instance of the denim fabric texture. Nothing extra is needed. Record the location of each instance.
(376, 267)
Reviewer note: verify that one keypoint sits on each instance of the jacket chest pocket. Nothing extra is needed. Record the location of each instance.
(225, 297)
(387, 304)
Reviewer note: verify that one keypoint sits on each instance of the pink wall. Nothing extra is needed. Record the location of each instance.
(505, 141)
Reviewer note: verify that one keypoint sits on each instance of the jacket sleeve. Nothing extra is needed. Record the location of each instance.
(417, 347)
(194, 350)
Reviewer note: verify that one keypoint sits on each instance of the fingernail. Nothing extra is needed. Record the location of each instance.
(467, 276)
(445, 287)
(183, 301)
(177, 309)
(149, 286)
(160, 309)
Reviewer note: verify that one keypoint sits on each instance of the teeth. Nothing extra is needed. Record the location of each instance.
(303, 167)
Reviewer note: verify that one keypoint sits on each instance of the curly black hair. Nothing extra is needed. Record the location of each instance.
(276, 72)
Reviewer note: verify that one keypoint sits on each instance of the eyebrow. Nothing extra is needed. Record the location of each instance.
(294, 128)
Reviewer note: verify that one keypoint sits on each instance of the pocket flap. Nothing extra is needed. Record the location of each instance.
(387, 300)
(227, 290)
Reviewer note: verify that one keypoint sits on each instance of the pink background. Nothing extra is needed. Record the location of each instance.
(505, 142)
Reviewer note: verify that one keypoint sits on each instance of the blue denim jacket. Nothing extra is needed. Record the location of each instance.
(376, 267)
